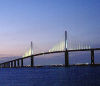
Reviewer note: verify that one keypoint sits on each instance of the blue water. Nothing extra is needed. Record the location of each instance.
(51, 76)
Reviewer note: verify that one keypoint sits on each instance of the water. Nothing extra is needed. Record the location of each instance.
(51, 76)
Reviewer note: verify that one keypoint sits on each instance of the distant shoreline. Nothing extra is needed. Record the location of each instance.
(56, 66)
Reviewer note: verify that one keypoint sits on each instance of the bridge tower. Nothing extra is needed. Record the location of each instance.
(32, 58)
(66, 52)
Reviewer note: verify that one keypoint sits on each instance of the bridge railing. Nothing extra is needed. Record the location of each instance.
(19, 62)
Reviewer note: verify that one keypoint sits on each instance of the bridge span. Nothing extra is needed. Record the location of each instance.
(19, 62)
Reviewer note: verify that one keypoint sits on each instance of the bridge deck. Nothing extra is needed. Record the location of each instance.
(45, 53)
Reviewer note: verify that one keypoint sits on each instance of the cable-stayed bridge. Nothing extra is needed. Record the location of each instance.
(61, 47)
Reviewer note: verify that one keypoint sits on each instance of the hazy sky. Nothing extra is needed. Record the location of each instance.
(44, 23)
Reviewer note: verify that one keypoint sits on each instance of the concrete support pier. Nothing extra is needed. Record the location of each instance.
(21, 62)
(32, 61)
(11, 64)
(66, 58)
(17, 62)
(92, 57)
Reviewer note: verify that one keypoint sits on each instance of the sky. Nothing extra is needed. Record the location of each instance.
(44, 21)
